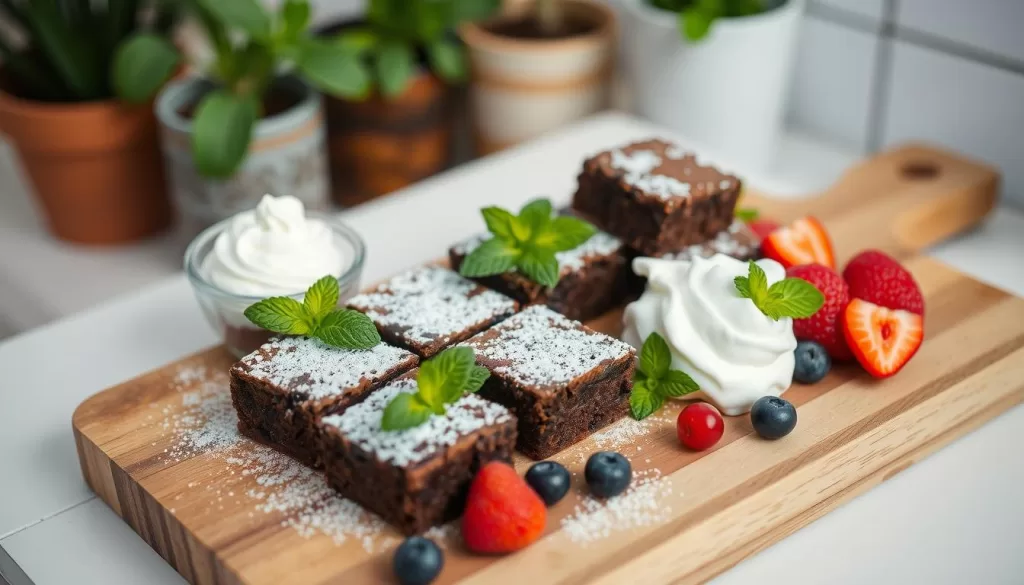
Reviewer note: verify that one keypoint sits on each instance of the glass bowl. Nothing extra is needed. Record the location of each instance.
(225, 311)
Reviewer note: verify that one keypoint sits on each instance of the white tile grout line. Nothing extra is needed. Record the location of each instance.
(6, 536)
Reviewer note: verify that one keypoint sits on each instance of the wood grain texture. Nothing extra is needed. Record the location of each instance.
(719, 506)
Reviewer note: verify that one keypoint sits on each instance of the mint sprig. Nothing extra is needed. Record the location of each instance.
(441, 381)
(747, 215)
(655, 381)
(526, 242)
(317, 316)
(790, 297)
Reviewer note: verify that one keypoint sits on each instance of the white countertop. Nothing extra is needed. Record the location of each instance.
(955, 517)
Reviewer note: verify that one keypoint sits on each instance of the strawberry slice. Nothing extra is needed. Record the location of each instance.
(882, 340)
(804, 241)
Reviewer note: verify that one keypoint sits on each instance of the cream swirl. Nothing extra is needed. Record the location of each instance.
(732, 350)
(273, 250)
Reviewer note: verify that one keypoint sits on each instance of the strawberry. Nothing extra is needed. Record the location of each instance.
(880, 279)
(804, 241)
(502, 513)
(882, 340)
(825, 326)
(762, 227)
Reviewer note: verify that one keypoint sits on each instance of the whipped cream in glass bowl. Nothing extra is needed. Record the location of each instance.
(276, 249)
(729, 347)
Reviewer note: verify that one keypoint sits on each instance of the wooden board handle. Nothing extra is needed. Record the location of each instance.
(900, 201)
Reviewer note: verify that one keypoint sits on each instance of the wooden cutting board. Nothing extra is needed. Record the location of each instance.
(222, 510)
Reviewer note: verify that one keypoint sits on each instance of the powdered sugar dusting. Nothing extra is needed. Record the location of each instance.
(361, 425)
(539, 347)
(599, 245)
(316, 370)
(725, 242)
(430, 303)
(642, 504)
(639, 167)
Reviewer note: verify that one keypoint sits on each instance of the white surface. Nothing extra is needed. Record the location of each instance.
(870, 10)
(989, 25)
(833, 80)
(972, 108)
(727, 91)
(931, 521)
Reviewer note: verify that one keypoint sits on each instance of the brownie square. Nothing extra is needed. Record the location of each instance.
(737, 241)
(593, 277)
(418, 477)
(426, 309)
(655, 196)
(282, 389)
(562, 380)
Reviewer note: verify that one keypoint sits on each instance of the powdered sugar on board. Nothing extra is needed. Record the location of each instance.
(642, 504)
(205, 425)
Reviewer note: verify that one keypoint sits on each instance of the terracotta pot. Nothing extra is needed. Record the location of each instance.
(381, 145)
(524, 87)
(95, 167)
(286, 157)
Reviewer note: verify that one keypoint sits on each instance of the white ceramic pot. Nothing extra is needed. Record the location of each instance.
(727, 91)
(522, 88)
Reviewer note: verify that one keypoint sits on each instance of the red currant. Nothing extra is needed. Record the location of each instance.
(700, 426)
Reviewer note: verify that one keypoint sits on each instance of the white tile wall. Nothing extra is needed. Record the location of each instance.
(871, 10)
(990, 25)
(974, 108)
(833, 80)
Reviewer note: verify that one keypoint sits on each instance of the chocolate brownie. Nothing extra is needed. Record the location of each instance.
(418, 477)
(737, 241)
(593, 277)
(562, 380)
(283, 388)
(426, 309)
(656, 197)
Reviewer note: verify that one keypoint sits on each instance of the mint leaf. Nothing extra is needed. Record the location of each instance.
(443, 378)
(494, 256)
(499, 222)
(280, 315)
(477, 376)
(742, 286)
(676, 384)
(793, 297)
(347, 329)
(404, 412)
(536, 215)
(655, 357)
(758, 283)
(564, 233)
(540, 267)
(643, 400)
(747, 214)
(321, 298)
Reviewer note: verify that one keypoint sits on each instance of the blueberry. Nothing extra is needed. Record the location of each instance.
(417, 561)
(812, 362)
(773, 417)
(550, 480)
(608, 474)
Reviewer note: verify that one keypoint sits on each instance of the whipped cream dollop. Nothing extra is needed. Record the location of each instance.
(274, 250)
(727, 345)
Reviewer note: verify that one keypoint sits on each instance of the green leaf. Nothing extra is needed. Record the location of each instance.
(280, 315)
(334, 69)
(448, 60)
(477, 376)
(221, 132)
(246, 15)
(564, 233)
(793, 297)
(540, 267)
(743, 286)
(64, 48)
(474, 9)
(430, 19)
(394, 62)
(499, 222)
(676, 384)
(321, 298)
(747, 214)
(695, 22)
(655, 357)
(535, 216)
(405, 411)
(294, 18)
(347, 329)
(643, 401)
(493, 256)
(358, 41)
(141, 66)
(758, 281)
(443, 378)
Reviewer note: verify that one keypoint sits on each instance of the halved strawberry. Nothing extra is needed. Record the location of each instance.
(804, 241)
(762, 227)
(882, 340)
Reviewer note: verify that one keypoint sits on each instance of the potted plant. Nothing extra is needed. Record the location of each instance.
(252, 122)
(538, 66)
(92, 160)
(403, 132)
(716, 71)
